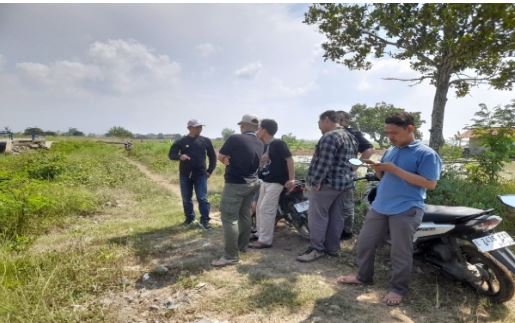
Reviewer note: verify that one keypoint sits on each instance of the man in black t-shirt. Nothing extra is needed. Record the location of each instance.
(191, 151)
(366, 149)
(240, 154)
(276, 171)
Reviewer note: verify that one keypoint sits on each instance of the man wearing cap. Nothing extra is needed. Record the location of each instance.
(191, 151)
(241, 155)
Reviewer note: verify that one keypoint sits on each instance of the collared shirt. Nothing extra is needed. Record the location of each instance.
(197, 148)
(330, 163)
(395, 195)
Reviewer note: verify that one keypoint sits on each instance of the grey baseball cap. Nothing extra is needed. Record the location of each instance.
(194, 123)
(250, 119)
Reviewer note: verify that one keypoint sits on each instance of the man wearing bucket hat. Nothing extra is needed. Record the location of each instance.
(241, 154)
(191, 151)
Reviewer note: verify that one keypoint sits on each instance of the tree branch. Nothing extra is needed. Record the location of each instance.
(415, 80)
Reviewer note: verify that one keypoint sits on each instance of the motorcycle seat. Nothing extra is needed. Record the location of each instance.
(442, 213)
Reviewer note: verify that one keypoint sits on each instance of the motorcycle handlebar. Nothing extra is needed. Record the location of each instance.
(369, 177)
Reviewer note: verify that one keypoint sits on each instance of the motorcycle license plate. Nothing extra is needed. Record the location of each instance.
(494, 241)
(302, 206)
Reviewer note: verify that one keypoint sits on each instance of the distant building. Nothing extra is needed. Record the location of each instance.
(471, 142)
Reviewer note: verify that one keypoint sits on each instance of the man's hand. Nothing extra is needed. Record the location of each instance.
(226, 160)
(184, 157)
(384, 167)
(290, 185)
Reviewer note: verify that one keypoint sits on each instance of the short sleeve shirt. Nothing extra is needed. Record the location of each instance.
(395, 195)
(245, 152)
(278, 152)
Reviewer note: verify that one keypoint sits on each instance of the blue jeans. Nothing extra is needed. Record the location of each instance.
(199, 183)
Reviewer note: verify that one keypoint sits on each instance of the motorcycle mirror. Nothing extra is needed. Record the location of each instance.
(508, 200)
(356, 162)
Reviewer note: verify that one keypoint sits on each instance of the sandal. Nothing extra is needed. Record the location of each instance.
(392, 299)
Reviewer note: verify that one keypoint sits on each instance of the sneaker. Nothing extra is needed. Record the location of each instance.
(187, 223)
(205, 226)
(259, 245)
(332, 253)
(253, 237)
(310, 255)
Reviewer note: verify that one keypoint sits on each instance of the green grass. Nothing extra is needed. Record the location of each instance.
(60, 255)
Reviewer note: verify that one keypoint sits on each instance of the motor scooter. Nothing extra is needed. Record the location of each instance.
(292, 208)
(462, 243)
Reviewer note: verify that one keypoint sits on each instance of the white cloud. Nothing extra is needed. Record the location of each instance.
(249, 71)
(205, 49)
(2, 62)
(130, 65)
(116, 66)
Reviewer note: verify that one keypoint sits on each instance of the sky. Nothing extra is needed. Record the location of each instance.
(151, 68)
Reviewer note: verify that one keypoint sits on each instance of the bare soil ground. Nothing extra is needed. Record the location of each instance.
(173, 281)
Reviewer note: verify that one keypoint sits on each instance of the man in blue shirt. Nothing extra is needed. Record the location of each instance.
(406, 170)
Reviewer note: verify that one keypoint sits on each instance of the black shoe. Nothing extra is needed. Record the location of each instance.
(205, 226)
(346, 236)
(253, 237)
(187, 223)
(332, 253)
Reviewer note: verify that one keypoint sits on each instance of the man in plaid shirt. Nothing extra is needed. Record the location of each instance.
(330, 177)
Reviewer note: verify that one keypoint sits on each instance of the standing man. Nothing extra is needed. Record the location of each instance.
(366, 149)
(330, 177)
(241, 155)
(276, 171)
(406, 170)
(191, 151)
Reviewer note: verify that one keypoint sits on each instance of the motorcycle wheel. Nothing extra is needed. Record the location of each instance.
(303, 230)
(495, 279)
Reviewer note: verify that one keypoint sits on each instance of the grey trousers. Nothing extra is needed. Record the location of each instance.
(375, 228)
(235, 210)
(325, 217)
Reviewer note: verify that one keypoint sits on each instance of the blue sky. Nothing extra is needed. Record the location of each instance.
(150, 68)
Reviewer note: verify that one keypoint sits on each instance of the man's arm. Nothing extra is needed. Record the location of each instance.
(173, 154)
(367, 153)
(211, 156)
(409, 177)
(327, 149)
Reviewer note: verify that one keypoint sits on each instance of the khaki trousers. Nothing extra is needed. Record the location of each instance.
(236, 222)
(266, 211)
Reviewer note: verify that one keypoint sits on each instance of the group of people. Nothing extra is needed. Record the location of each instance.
(256, 162)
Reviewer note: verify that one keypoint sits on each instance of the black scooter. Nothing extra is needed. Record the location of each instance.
(293, 208)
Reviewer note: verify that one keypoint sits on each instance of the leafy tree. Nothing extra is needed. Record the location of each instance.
(496, 131)
(226, 133)
(451, 45)
(35, 130)
(74, 132)
(370, 120)
(119, 132)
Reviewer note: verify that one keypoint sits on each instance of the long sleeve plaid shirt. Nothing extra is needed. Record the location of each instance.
(330, 163)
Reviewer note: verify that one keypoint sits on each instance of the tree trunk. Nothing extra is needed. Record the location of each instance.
(440, 100)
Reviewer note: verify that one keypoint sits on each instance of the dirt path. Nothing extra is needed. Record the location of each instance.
(158, 179)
